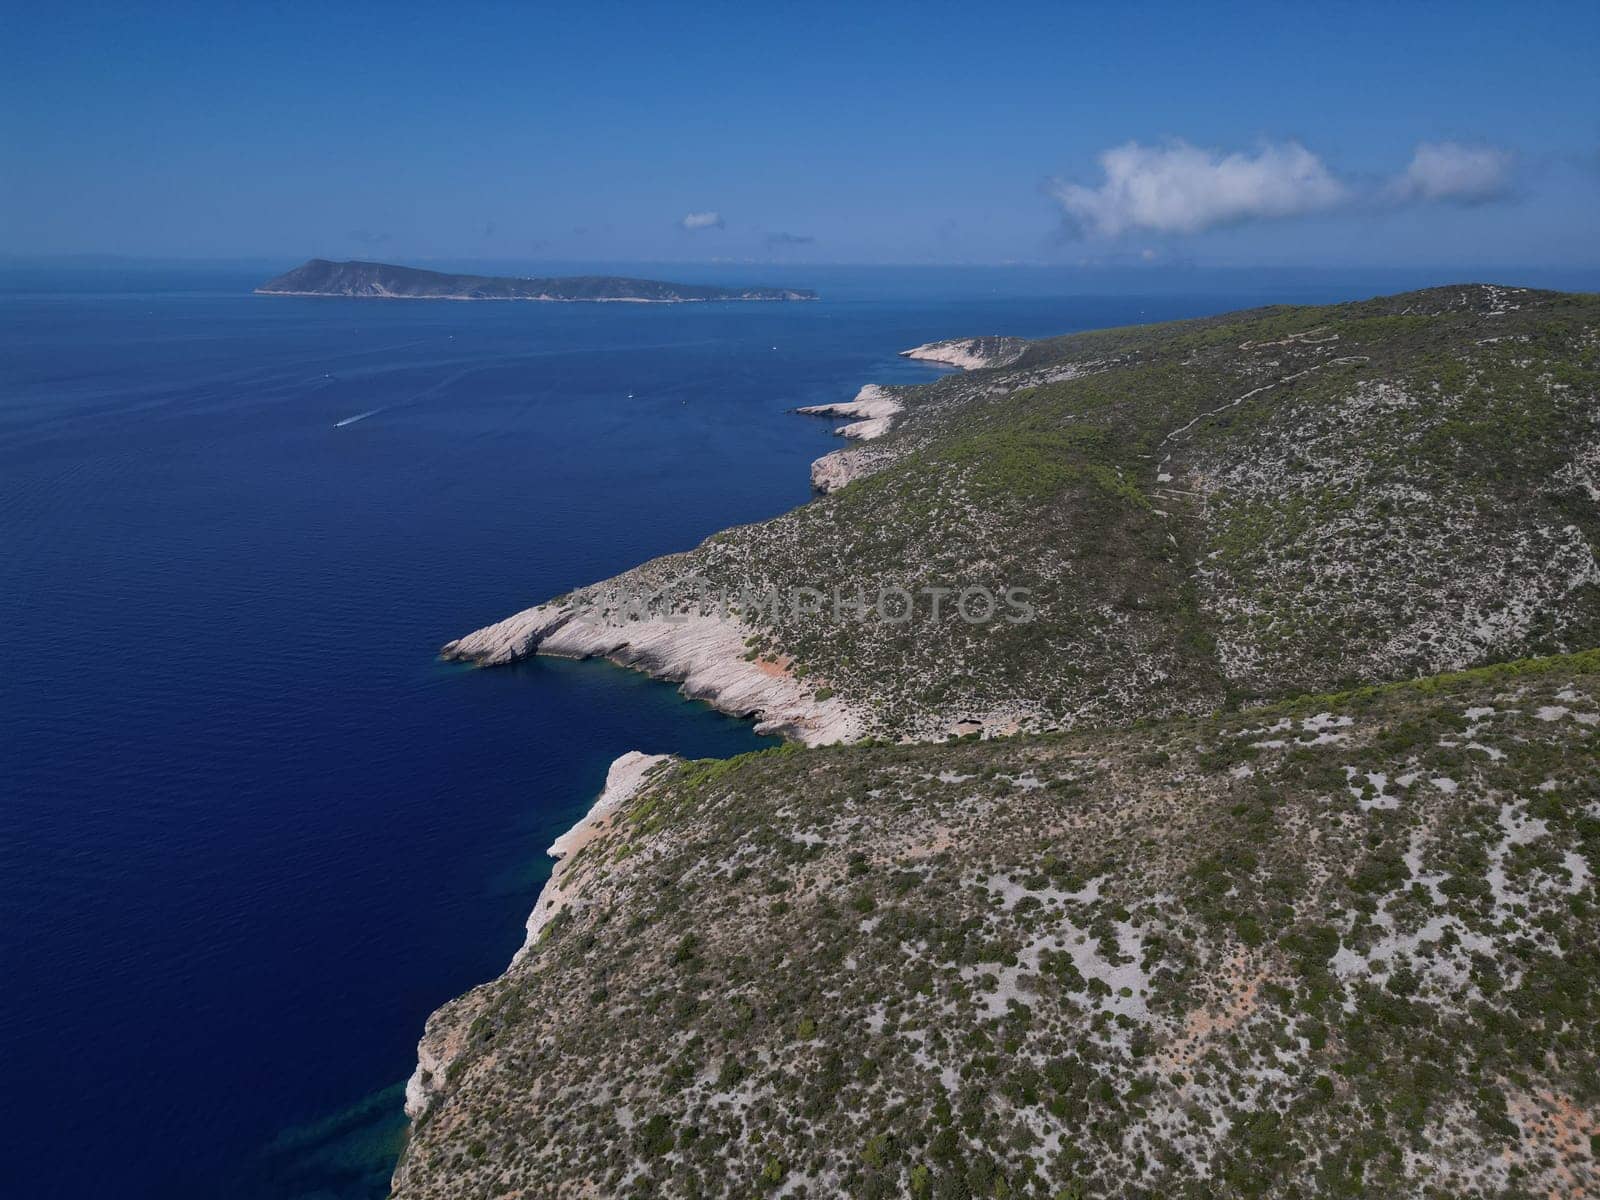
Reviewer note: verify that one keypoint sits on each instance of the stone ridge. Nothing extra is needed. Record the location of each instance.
(441, 1045)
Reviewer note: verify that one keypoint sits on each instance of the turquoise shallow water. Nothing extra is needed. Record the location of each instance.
(252, 831)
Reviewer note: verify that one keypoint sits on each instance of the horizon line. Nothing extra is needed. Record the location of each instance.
(86, 258)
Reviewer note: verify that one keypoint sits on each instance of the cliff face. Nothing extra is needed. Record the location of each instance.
(444, 1041)
(971, 354)
(319, 277)
(708, 653)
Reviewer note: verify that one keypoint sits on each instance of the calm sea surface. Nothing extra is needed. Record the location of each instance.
(252, 832)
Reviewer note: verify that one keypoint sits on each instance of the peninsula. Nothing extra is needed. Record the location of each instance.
(1262, 861)
(320, 277)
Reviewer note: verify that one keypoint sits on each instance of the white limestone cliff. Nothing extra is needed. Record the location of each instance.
(444, 1036)
(874, 408)
(704, 653)
(839, 467)
(970, 354)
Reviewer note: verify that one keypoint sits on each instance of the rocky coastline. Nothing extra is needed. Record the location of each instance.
(1124, 817)
(444, 1036)
(871, 413)
(970, 354)
(706, 655)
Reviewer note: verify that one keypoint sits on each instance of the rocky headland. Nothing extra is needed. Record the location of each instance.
(1261, 861)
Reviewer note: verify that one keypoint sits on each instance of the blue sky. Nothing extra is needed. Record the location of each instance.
(1216, 134)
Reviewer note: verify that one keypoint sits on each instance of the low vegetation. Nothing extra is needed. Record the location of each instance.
(1213, 512)
(1262, 863)
(1339, 947)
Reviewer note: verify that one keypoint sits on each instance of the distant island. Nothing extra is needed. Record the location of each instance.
(319, 277)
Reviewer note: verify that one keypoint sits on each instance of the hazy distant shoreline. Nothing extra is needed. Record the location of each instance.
(503, 299)
(386, 281)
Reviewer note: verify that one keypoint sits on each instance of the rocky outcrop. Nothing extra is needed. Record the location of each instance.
(970, 354)
(873, 410)
(836, 469)
(706, 653)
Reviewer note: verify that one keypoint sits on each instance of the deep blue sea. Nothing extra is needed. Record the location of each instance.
(252, 831)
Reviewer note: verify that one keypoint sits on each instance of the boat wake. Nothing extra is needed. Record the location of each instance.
(358, 417)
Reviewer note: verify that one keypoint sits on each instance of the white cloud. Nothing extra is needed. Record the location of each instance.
(702, 220)
(1452, 171)
(1180, 188)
